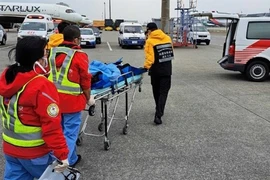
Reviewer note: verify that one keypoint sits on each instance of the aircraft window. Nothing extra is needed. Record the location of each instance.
(70, 11)
(34, 26)
(133, 29)
(86, 32)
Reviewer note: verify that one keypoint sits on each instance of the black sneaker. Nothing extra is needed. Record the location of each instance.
(77, 162)
(158, 120)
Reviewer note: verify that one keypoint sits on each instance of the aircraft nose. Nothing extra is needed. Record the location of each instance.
(77, 17)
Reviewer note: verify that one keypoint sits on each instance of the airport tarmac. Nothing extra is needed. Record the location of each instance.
(216, 123)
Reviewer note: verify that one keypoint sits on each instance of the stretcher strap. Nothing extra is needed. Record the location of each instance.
(112, 87)
(125, 76)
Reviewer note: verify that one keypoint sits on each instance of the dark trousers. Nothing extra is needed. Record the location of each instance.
(160, 86)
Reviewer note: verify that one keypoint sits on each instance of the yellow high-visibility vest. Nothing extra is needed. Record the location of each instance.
(59, 78)
(14, 132)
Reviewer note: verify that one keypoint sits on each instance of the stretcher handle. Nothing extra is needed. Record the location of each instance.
(123, 75)
(130, 72)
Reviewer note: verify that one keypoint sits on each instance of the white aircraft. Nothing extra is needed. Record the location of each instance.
(11, 12)
(86, 21)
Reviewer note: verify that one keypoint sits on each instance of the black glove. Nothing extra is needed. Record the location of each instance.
(143, 69)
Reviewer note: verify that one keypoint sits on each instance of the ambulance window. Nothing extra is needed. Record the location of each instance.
(34, 26)
(50, 26)
(258, 30)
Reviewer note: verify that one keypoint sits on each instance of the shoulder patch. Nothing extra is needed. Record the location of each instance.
(53, 110)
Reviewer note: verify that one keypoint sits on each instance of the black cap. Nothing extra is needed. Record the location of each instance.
(151, 26)
(61, 26)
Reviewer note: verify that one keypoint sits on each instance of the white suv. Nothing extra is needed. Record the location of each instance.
(3, 35)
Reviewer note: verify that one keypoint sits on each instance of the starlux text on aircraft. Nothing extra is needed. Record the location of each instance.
(16, 8)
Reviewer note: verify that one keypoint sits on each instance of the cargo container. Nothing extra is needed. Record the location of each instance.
(99, 24)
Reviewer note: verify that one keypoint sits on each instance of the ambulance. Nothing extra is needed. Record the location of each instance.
(247, 45)
(36, 25)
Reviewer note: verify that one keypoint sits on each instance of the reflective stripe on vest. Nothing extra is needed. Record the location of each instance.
(59, 78)
(14, 132)
(4, 115)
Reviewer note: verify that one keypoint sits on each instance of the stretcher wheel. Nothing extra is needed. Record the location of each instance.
(125, 131)
(91, 110)
(79, 141)
(107, 145)
(100, 127)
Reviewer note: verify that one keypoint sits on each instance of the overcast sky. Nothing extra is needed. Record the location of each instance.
(144, 10)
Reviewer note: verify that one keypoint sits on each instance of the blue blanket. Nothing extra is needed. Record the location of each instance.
(109, 70)
(106, 75)
(103, 75)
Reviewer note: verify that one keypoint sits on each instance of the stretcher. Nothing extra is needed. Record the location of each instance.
(107, 97)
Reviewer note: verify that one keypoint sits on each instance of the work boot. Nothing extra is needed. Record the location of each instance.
(157, 120)
(77, 162)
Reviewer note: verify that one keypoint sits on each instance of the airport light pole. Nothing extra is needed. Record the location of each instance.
(165, 15)
(110, 10)
(104, 10)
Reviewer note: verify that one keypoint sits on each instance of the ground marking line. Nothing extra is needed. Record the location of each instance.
(109, 46)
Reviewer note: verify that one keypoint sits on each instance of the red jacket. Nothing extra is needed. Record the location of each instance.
(78, 73)
(33, 109)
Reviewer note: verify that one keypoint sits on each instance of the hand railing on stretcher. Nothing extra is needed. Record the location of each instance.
(106, 97)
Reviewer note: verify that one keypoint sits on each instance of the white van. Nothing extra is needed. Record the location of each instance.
(36, 25)
(199, 34)
(247, 45)
(131, 34)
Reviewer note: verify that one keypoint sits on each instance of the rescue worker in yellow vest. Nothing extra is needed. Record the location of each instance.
(69, 72)
(29, 108)
(158, 60)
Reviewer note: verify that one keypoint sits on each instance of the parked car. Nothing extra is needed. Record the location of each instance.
(3, 35)
(108, 28)
(88, 37)
(97, 33)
